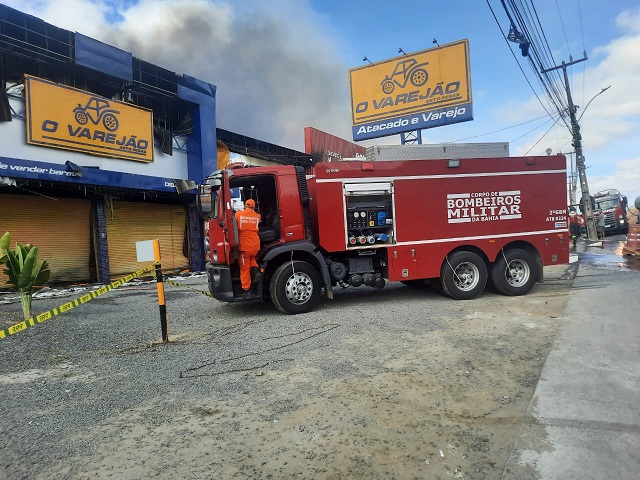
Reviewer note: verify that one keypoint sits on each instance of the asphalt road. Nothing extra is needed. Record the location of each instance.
(374, 384)
(584, 418)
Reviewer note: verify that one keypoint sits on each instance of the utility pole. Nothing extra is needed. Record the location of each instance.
(573, 180)
(577, 144)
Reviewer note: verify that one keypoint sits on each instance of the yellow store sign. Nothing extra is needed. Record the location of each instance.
(60, 116)
(422, 90)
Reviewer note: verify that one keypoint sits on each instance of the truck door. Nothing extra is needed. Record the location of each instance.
(229, 220)
(223, 231)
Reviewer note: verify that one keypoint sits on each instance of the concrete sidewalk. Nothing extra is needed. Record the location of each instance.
(584, 418)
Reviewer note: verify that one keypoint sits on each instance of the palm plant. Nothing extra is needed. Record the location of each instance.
(25, 272)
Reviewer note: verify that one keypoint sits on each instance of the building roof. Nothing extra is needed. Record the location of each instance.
(253, 147)
(29, 45)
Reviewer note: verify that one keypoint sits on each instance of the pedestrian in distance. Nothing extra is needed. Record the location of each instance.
(248, 246)
(600, 225)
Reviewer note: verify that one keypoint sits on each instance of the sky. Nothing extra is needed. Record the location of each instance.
(282, 65)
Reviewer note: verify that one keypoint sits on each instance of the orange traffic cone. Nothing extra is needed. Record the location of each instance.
(631, 247)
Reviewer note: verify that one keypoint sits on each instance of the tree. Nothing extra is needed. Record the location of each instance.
(25, 272)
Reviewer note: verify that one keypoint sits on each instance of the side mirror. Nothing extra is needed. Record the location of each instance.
(183, 186)
(203, 200)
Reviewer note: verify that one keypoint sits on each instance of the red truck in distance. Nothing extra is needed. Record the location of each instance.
(456, 224)
(614, 206)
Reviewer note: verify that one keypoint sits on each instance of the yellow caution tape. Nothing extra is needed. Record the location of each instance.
(18, 327)
(175, 284)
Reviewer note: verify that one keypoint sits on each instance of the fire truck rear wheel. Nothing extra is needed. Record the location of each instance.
(295, 287)
(514, 273)
(463, 275)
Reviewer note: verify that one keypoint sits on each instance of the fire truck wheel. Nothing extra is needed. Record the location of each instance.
(295, 287)
(463, 275)
(514, 273)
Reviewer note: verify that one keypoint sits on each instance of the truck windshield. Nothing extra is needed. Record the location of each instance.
(607, 204)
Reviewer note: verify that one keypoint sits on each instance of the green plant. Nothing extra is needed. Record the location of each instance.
(25, 272)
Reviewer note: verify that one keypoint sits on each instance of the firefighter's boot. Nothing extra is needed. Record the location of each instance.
(255, 275)
(248, 295)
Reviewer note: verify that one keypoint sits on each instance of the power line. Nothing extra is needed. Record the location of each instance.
(543, 56)
(540, 51)
(500, 130)
(515, 58)
(532, 130)
(566, 40)
(526, 30)
(584, 49)
(540, 139)
(529, 34)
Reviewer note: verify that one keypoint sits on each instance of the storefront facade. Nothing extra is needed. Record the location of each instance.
(92, 140)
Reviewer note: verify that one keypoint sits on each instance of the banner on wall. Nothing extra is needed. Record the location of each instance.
(330, 148)
(64, 117)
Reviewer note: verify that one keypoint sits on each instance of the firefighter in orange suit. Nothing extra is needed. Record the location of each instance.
(249, 243)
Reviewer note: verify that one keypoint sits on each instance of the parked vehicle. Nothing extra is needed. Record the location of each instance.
(458, 224)
(614, 206)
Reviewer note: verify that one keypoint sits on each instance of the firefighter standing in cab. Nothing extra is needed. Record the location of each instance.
(249, 245)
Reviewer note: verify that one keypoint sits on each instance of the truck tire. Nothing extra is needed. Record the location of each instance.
(439, 287)
(463, 275)
(295, 287)
(514, 272)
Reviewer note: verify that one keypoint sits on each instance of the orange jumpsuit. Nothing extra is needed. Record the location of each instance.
(574, 224)
(248, 244)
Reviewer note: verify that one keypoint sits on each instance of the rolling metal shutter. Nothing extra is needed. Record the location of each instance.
(59, 227)
(131, 222)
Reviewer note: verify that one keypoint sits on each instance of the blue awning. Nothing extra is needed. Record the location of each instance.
(103, 58)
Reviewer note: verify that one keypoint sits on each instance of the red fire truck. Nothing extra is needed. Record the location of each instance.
(614, 206)
(458, 224)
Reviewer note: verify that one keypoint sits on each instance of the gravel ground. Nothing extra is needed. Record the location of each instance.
(397, 383)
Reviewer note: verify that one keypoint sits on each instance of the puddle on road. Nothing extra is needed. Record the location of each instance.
(610, 255)
(630, 262)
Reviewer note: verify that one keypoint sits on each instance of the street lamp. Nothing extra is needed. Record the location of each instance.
(577, 145)
(580, 166)
(592, 99)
